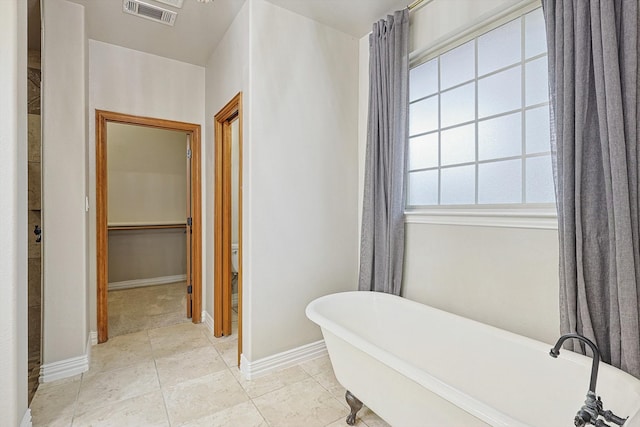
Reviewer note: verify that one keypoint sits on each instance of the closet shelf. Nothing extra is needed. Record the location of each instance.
(120, 227)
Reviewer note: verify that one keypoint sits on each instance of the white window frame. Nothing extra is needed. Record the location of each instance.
(534, 216)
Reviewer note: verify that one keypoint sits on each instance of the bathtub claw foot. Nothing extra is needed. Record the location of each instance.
(355, 406)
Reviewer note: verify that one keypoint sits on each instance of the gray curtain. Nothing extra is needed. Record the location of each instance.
(382, 241)
(593, 80)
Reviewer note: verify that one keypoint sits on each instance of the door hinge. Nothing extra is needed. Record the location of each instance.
(188, 153)
(189, 221)
(190, 289)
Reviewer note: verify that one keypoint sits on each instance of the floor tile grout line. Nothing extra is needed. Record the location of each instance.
(259, 411)
(314, 372)
(331, 394)
(164, 401)
(75, 402)
(139, 362)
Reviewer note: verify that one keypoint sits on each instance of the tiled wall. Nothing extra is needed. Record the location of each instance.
(34, 273)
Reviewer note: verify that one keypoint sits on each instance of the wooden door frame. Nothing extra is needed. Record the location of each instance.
(102, 118)
(222, 301)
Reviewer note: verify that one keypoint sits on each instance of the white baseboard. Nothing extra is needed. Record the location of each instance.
(260, 367)
(26, 420)
(64, 368)
(208, 320)
(138, 283)
(93, 337)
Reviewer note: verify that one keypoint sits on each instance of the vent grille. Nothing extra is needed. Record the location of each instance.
(147, 11)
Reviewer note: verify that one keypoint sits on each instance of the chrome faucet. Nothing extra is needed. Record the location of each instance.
(592, 408)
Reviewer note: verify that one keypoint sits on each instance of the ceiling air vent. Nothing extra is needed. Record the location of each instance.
(154, 13)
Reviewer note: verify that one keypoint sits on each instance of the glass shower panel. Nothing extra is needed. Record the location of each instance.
(423, 151)
(499, 48)
(458, 185)
(423, 116)
(458, 105)
(500, 137)
(500, 92)
(457, 66)
(500, 182)
(423, 80)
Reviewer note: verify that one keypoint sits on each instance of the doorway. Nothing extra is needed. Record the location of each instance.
(34, 272)
(189, 224)
(228, 220)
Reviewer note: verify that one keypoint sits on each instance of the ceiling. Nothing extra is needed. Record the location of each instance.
(200, 26)
(353, 17)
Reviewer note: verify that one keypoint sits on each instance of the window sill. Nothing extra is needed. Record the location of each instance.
(513, 217)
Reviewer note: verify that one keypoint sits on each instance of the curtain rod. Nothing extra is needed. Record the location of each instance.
(418, 4)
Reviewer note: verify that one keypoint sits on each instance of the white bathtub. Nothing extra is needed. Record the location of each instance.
(418, 366)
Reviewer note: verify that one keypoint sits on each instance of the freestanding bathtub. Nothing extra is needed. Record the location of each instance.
(414, 366)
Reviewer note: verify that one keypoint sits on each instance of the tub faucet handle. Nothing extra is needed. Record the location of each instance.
(591, 412)
(610, 416)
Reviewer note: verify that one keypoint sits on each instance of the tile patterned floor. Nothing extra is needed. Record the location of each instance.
(138, 309)
(181, 375)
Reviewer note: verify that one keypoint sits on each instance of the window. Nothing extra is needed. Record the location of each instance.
(479, 121)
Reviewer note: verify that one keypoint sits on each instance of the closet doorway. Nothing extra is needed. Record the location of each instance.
(227, 290)
(143, 178)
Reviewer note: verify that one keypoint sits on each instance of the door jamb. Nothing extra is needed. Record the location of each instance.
(102, 118)
(222, 257)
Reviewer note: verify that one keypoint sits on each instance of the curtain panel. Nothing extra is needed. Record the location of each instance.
(382, 238)
(593, 84)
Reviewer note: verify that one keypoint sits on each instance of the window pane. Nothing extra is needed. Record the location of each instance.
(423, 80)
(423, 188)
(500, 137)
(500, 182)
(458, 185)
(500, 92)
(480, 104)
(457, 66)
(538, 131)
(459, 145)
(458, 105)
(423, 151)
(535, 38)
(537, 86)
(499, 48)
(423, 116)
(540, 180)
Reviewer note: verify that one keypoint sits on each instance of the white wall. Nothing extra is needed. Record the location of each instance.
(303, 181)
(146, 254)
(65, 328)
(131, 82)
(299, 180)
(506, 277)
(13, 211)
(146, 174)
(443, 20)
(227, 73)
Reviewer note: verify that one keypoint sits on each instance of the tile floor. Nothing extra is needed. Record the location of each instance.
(138, 309)
(181, 375)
